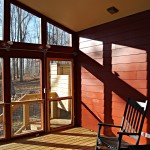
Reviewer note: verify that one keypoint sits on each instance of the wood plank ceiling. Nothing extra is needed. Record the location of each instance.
(78, 15)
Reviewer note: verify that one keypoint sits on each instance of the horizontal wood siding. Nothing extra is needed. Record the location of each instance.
(115, 64)
(92, 95)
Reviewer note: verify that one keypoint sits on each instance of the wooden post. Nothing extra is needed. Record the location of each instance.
(26, 116)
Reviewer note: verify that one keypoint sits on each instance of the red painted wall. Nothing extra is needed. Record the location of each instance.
(114, 62)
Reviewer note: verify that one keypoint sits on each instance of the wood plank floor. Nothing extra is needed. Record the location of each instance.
(70, 139)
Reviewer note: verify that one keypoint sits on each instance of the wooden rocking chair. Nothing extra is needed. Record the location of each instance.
(132, 123)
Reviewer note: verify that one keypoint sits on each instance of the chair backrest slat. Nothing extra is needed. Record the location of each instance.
(124, 120)
(135, 122)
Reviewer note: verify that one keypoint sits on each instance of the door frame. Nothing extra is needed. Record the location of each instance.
(47, 122)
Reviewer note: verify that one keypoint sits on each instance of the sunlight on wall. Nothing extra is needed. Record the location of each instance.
(131, 66)
(92, 48)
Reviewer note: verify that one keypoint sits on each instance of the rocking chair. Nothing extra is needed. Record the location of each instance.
(132, 123)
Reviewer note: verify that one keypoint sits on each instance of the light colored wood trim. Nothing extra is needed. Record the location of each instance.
(26, 101)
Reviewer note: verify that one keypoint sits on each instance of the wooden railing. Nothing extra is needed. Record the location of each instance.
(25, 100)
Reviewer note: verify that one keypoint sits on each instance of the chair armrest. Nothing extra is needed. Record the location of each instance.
(108, 125)
(126, 133)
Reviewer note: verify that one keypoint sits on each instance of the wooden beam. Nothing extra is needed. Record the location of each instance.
(6, 25)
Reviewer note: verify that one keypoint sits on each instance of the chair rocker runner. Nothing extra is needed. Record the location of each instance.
(132, 123)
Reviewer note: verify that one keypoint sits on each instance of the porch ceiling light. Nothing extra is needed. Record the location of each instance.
(48, 46)
(7, 45)
(10, 43)
(42, 47)
(112, 10)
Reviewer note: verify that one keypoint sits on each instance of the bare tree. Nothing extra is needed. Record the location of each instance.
(20, 25)
(57, 36)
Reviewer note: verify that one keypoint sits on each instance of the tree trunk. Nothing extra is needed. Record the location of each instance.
(17, 70)
(21, 71)
(14, 68)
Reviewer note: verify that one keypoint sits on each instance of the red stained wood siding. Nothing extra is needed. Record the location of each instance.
(115, 64)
